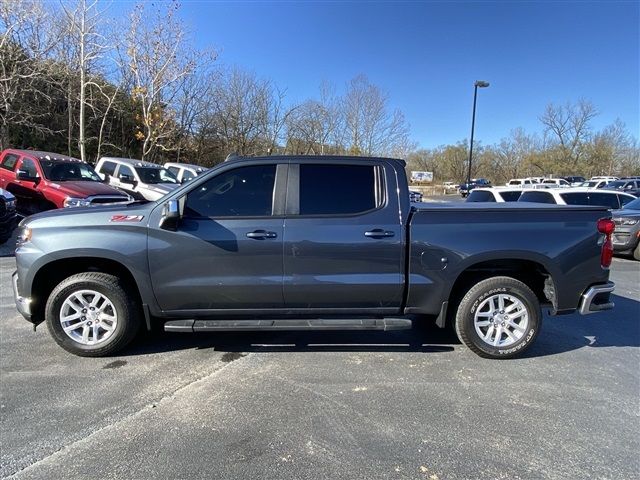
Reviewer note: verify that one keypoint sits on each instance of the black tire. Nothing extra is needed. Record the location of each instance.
(128, 316)
(636, 252)
(464, 320)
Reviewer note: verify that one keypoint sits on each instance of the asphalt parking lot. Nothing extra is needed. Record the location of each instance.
(411, 404)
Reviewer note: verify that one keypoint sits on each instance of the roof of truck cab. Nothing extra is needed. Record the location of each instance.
(315, 158)
(44, 155)
(131, 161)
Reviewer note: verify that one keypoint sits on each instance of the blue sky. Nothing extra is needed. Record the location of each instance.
(427, 55)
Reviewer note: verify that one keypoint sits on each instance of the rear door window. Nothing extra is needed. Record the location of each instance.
(339, 189)
(537, 197)
(9, 162)
(575, 198)
(108, 168)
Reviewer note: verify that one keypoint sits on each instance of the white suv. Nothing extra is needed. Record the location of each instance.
(578, 196)
(142, 180)
(185, 171)
(495, 194)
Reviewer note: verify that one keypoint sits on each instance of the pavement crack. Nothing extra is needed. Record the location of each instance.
(151, 405)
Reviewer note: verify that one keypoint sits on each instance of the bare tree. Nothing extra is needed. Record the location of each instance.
(158, 59)
(83, 24)
(372, 128)
(569, 126)
(26, 42)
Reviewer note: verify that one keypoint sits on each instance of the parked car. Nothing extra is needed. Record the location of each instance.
(466, 187)
(185, 171)
(44, 181)
(556, 182)
(627, 186)
(415, 196)
(495, 194)
(520, 182)
(363, 257)
(575, 180)
(626, 237)
(142, 180)
(7, 215)
(450, 186)
(578, 196)
(595, 184)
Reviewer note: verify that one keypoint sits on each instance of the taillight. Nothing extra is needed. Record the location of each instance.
(606, 226)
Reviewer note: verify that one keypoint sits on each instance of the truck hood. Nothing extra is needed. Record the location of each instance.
(85, 188)
(90, 216)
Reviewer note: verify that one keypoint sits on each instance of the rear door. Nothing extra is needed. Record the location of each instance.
(343, 240)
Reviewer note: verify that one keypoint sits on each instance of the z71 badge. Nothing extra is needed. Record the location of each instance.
(126, 218)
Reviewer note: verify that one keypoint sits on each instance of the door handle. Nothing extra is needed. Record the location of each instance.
(261, 234)
(379, 233)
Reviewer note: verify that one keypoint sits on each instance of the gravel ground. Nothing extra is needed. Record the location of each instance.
(407, 405)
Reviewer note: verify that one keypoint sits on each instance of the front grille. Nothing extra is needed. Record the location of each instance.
(102, 199)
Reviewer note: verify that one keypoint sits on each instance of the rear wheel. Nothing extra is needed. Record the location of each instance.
(89, 314)
(498, 318)
(636, 252)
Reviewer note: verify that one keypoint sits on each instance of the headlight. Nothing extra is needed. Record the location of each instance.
(11, 204)
(76, 202)
(24, 236)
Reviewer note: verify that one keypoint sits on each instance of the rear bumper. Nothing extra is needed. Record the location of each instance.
(596, 299)
(23, 304)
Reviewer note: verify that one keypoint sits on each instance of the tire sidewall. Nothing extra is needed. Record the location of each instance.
(54, 305)
(533, 326)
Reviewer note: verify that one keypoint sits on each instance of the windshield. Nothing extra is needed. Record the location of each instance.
(68, 171)
(634, 205)
(590, 184)
(616, 184)
(154, 175)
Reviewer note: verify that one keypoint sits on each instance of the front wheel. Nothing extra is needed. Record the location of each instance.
(636, 252)
(90, 314)
(499, 317)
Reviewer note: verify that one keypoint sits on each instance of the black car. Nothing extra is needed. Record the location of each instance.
(466, 187)
(625, 185)
(7, 215)
(626, 236)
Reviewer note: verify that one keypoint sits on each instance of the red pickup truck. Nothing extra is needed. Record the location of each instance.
(45, 181)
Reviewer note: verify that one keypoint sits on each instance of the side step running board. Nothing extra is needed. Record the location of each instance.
(287, 324)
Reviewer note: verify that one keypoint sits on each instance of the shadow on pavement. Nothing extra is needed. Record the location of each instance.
(617, 328)
(422, 338)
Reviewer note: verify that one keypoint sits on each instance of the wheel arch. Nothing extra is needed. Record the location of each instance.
(50, 274)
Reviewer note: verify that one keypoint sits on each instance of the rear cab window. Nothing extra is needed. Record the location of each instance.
(510, 196)
(480, 196)
(355, 189)
(575, 198)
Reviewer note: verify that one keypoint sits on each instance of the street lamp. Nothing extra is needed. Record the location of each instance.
(481, 84)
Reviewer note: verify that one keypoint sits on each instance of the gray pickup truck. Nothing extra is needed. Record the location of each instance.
(309, 243)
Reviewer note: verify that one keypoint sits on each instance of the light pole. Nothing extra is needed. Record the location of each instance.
(481, 84)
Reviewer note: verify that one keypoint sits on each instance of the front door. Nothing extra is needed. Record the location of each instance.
(227, 251)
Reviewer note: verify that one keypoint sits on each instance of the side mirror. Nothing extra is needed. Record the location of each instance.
(24, 175)
(170, 216)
